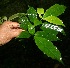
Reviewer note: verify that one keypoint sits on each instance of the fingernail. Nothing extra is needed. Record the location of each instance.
(23, 30)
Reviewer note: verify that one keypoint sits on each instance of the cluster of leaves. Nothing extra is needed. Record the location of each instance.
(48, 25)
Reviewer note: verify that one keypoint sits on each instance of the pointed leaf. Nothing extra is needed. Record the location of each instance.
(32, 14)
(48, 48)
(54, 20)
(55, 10)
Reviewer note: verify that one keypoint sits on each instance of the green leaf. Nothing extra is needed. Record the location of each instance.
(52, 28)
(40, 11)
(0, 22)
(16, 15)
(47, 27)
(31, 28)
(48, 48)
(32, 14)
(2, 19)
(37, 22)
(54, 20)
(47, 35)
(24, 34)
(24, 22)
(55, 10)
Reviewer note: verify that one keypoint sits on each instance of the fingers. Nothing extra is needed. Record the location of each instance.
(16, 32)
(11, 24)
(9, 30)
(12, 28)
(15, 25)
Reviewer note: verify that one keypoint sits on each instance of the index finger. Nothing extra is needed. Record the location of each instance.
(15, 24)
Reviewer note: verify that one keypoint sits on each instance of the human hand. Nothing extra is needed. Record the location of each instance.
(9, 30)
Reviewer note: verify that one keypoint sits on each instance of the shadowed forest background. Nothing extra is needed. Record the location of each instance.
(24, 53)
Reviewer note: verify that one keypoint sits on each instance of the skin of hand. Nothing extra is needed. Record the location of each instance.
(9, 30)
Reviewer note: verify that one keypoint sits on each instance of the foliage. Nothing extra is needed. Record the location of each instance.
(48, 25)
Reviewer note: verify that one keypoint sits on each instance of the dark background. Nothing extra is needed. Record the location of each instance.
(25, 54)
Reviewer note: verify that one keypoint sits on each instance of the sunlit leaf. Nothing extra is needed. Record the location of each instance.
(32, 14)
(55, 10)
(54, 20)
(48, 48)
(52, 27)
(31, 28)
(24, 34)
(40, 11)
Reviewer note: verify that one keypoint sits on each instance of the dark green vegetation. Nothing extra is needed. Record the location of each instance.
(27, 47)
